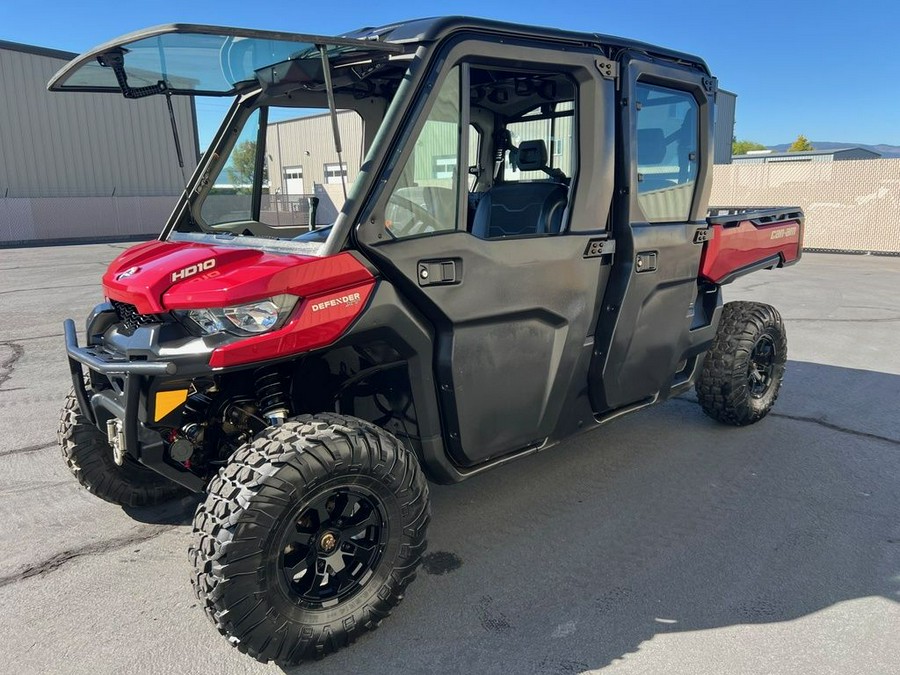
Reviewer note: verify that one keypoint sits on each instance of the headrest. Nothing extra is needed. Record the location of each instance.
(532, 155)
(651, 146)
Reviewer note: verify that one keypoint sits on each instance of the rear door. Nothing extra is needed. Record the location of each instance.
(655, 316)
(512, 315)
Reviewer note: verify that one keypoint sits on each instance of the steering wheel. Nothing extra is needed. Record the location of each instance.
(426, 221)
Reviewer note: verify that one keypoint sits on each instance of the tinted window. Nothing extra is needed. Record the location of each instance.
(667, 152)
(425, 198)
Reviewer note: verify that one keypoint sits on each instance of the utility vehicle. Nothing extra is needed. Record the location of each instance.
(524, 253)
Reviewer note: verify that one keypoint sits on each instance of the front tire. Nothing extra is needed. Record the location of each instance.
(743, 370)
(89, 457)
(309, 537)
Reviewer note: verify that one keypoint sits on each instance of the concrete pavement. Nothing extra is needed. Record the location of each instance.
(661, 543)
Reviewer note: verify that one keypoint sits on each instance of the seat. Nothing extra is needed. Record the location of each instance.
(537, 207)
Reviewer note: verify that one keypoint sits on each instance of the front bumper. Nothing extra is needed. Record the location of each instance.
(105, 364)
(141, 443)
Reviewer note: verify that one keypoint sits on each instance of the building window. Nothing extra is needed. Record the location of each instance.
(334, 172)
(443, 167)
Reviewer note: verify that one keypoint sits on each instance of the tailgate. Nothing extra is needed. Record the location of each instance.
(742, 240)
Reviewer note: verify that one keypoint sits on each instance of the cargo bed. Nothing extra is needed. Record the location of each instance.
(744, 239)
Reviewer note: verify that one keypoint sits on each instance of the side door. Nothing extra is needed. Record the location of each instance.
(513, 314)
(656, 318)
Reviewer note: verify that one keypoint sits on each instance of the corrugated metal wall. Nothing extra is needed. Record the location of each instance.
(309, 142)
(724, 131)
(806, 156)
(854, 153)
(82, 145)
(40, 219)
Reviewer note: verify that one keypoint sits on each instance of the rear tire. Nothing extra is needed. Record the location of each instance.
(90, 459)
(742, 372)
(309, 536)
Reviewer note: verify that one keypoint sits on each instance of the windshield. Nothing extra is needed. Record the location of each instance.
(282, 177)
(205, 60)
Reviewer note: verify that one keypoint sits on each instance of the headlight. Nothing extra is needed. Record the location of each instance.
(249, 319)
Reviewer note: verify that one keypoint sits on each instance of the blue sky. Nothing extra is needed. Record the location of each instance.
(827, 69)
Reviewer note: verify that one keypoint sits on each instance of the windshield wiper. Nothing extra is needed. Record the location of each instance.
(164, 85)
(115, 59)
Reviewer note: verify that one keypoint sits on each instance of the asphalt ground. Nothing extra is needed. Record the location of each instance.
(662, 543)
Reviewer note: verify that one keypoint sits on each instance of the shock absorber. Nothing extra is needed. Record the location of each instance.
(273, 401)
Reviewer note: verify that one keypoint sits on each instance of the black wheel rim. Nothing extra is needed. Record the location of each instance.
(332, 545)
(762, 366)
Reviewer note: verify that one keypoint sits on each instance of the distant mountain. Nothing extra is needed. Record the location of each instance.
(883, 149)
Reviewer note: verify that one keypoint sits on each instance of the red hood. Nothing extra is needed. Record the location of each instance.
(159, 276)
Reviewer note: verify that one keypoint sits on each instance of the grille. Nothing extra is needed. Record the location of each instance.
(130, 318)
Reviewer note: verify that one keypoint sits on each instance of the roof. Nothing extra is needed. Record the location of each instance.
(435, 28)
(37, 51)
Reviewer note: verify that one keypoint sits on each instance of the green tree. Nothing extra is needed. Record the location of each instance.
(802, 144)
(745, 146)
(242, 166)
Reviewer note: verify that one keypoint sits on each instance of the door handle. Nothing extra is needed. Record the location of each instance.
(439, 272)
(646, 261)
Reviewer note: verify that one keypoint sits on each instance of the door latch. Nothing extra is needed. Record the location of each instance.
(646, 261)
(439, 272)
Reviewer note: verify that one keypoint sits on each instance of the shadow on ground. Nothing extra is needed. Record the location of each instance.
(662, 522)
(178, 512)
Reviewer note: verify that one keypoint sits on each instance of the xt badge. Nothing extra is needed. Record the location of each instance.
(191, 270)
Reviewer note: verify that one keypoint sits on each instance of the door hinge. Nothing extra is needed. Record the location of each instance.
(599, 247)
(702, 234)
(609, 70)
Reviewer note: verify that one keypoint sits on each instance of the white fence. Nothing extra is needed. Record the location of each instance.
(849, 206)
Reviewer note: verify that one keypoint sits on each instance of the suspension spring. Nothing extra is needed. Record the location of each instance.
(270, 393)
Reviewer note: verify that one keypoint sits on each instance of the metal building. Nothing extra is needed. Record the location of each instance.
(836, 155)
(301, 153)
(83, 165)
